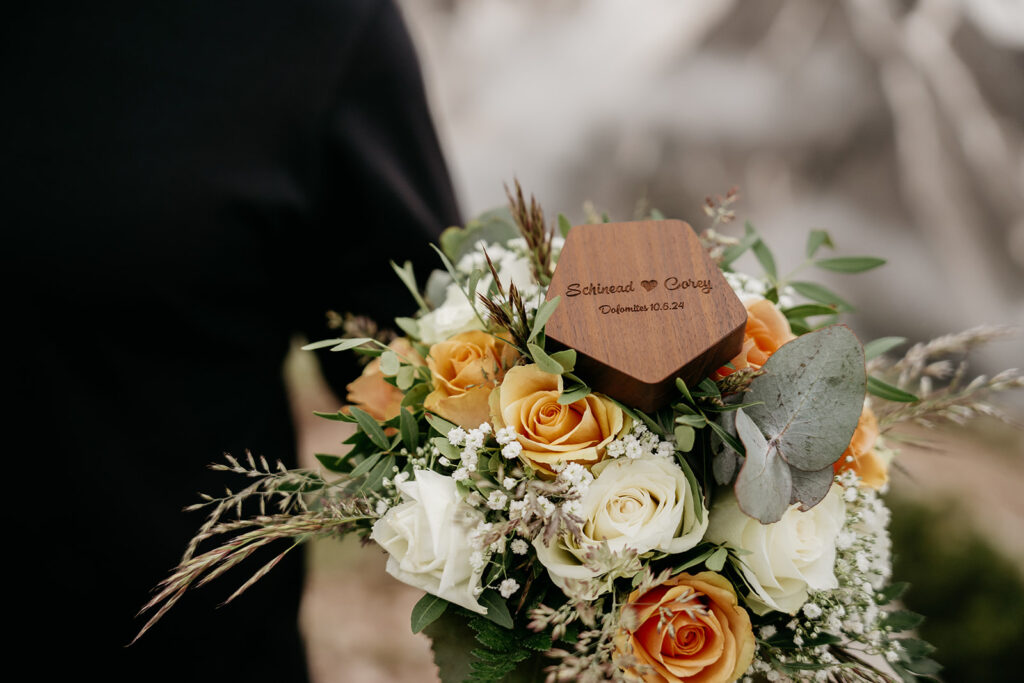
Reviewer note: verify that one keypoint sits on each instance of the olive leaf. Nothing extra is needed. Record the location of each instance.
(805, 411)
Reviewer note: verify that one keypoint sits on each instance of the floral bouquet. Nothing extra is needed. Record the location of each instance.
(735, 532)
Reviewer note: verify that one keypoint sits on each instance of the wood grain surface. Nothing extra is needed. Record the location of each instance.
(643, 304)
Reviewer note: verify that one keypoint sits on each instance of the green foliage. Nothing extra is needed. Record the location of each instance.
(428, 610)
(890, 393)
(495, 226)
(746, 242)
(850, 264)
(822, 295)
(807, 406)
(508, 655)
(817, 239)
(879, 346)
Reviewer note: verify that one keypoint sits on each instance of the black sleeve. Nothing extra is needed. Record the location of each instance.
(386, 193)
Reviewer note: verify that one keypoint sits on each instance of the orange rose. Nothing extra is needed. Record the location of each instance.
(465, 369)
(690, 628)
(549, 432)
(371, 393)
(861, 457)
(767, 329)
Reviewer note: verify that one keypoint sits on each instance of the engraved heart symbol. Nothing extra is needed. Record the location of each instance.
(648, 284)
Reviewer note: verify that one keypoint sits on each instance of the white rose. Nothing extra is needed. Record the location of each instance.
(452, 317)
(427, 539)
(645, 505)
(788, 557)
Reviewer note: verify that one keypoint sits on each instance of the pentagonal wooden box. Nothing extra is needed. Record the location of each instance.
(643, 304)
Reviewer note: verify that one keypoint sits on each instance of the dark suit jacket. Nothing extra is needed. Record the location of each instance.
(187, 185)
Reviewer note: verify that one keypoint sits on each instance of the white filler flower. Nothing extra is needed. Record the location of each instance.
(427, 539)
(787, 558)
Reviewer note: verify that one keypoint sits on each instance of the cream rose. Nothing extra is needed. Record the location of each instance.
(786, 558)
(465, 369)
(426, 538)
(549, 432)
(645, 505)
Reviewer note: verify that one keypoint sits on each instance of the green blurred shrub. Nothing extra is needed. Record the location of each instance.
(971, 594)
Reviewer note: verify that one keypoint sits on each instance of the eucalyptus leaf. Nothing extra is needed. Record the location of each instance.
(764, 483)
(492, 227)
(811, 397)
(389, 363)
(684, 438)
(809, 488)
(808, 403)
(406, 377)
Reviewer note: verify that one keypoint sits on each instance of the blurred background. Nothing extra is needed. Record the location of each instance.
(898, 126)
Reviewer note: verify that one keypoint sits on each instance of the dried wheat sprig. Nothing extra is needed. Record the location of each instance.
(529, 218)
(211, 564)
(507, 312)
(921, 357)
(269, 483)
(952, 403)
